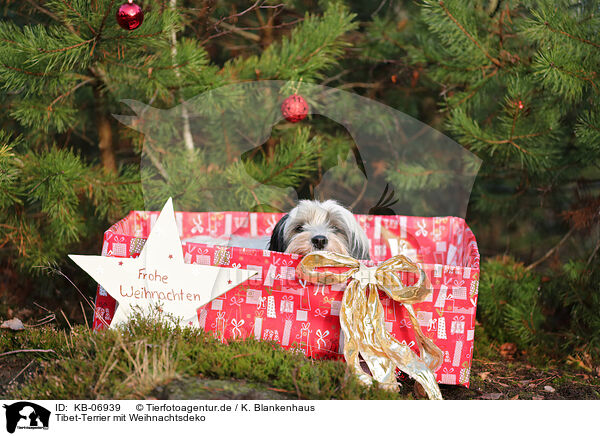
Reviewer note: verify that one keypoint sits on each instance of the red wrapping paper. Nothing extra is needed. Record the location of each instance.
(274, 305)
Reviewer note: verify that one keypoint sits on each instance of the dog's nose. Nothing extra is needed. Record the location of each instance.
(319, 242)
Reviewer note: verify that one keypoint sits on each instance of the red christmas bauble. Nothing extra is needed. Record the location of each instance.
(294, 108)
(130, 16)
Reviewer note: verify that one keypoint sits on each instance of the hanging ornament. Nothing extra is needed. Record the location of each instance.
(294, 108)
(130, 15)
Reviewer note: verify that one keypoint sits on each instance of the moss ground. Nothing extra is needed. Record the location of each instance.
(145, 355)
(150, 359)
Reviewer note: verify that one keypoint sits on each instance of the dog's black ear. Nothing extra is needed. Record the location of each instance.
(277, 242)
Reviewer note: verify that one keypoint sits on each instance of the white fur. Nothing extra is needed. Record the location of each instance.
(327, 219)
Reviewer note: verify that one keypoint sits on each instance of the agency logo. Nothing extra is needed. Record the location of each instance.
(26, 415)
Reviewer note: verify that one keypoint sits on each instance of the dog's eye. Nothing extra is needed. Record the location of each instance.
(298, 229)
(336, 229)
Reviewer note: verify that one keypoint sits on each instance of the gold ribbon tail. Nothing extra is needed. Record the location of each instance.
(362, 318)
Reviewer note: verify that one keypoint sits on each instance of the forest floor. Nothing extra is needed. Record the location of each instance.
(152, 360)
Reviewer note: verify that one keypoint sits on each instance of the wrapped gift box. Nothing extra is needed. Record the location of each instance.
(274, 305)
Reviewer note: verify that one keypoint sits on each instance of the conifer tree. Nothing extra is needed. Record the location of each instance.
(66, 64)
(516, 82)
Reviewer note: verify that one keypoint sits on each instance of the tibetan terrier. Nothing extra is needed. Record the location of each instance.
(320, 226)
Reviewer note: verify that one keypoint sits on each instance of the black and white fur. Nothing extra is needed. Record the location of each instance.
(320, 226)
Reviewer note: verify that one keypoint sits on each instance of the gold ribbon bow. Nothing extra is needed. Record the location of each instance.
(363, 322)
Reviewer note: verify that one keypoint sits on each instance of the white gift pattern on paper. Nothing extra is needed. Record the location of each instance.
(258, 276)
(119, 249)
(272, 222)
(458, 325)
(271, 335)
(236, 301)
(457, 353)
(287, 329)
(305, 331)
(464, 375)
(240, 222)
(197, 228)
(432, 325)
(301, 315)
(321, 335)
(271, 307)
(441, 299)
(448, 376)
(319, 288)
(219, 324)
(235, 331)
(424, 318)
(441, 331)
(202, 318)
(405, 323)
(253, 296)
(105, 248)
(459, 292)
(446, 356)
(320, 313)
(258, 325)
(203, 259)
(470, 335)
(335, 308)
(422, 231)
(260, 304)
(287, 304)
(288, 273)
(270, 276)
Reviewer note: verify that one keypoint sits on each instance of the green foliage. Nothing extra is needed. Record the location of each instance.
(46, 199)
(64, 67)
(293, 161)
(508, 302)
(556, 313)
(311, 49)
(517, 84)
(573, 297)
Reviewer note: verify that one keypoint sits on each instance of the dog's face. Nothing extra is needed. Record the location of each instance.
(320, 226)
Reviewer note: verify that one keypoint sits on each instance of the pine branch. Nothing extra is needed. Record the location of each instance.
(484, 51)
(63, 49)
(29, 73)
(576, 38)
(136, 36)
(76, 12)
(45, 11)
(551, 251)
(69, 92)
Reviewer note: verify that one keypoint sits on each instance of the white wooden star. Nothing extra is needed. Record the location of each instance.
(160, 276)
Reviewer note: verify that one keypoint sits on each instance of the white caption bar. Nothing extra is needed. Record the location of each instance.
(294, 417)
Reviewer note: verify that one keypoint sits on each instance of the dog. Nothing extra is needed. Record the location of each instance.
(319, 226)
